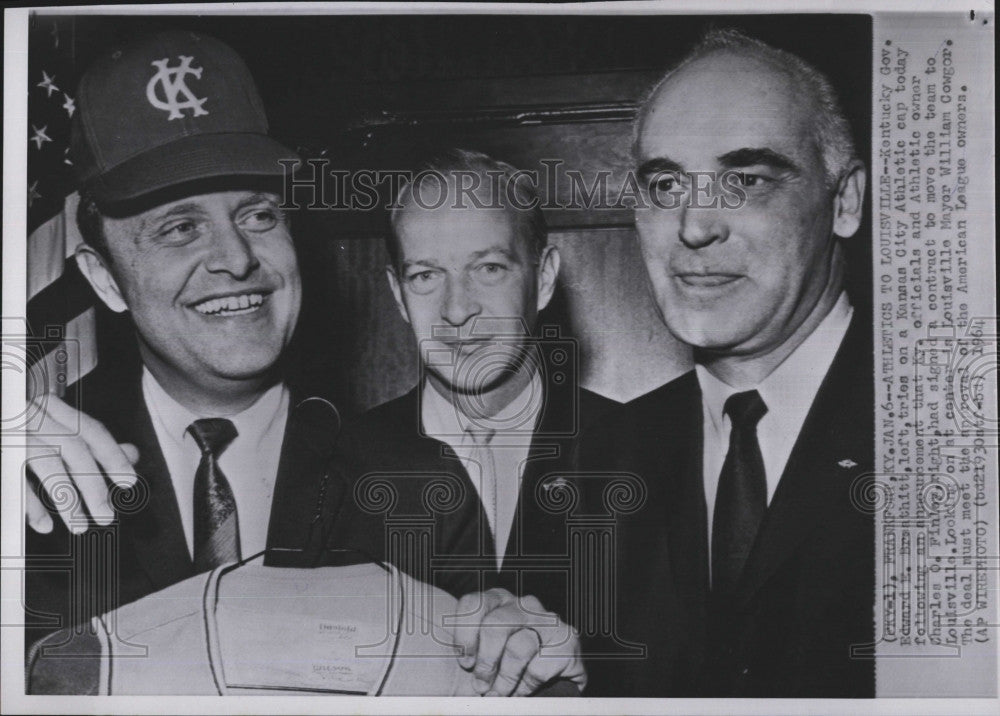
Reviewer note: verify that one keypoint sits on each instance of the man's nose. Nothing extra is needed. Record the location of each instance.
(231, 253)
(701, 226)
(459, 303)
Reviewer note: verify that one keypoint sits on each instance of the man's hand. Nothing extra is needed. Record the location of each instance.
(514, 646)
(67, 466)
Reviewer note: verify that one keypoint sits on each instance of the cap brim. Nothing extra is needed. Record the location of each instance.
(198, 157)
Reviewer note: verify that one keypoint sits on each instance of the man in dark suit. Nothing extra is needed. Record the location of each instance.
(749, 571)
(182, 230)
(473, 452)
(180, 187)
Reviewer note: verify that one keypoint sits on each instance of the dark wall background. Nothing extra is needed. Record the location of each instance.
(377, 91)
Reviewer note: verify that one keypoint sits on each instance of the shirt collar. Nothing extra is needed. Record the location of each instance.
(792, 386)
(442, 419)
(251, 424)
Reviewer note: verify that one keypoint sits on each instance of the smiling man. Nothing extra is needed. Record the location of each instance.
(497, 405)
(182, 231)
(471, 454)
(750, 571)
(212, 285)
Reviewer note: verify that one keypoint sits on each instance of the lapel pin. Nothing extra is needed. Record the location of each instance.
(847, 463)
(559, 482)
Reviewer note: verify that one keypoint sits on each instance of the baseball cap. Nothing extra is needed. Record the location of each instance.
(165, 110)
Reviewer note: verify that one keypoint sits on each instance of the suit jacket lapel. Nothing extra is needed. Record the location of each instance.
(532, 525)
(156, 530)
(305, 486)
(828, 455)
(463, 531)
(684, 498)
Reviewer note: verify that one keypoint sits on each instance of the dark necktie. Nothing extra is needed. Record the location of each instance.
(741, 499)
(216, 525)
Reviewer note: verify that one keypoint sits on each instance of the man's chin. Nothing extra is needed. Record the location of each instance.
(245, 366)
(450, 383)
(711, 333)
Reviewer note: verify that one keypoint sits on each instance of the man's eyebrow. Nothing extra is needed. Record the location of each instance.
(426, 263)
(258, 198)
(658, 165)
(752, 156)
(475, 256)
(496, 249)
(188, 207)
(152, 221)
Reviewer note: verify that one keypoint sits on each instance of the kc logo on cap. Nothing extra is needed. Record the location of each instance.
(172, 80)
(166, 110)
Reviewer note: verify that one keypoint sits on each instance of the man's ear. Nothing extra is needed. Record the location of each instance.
(849, 200)
(548, 273)
(390, 274)
(93, 268)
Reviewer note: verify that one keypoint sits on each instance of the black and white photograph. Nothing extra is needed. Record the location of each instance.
(617, 352)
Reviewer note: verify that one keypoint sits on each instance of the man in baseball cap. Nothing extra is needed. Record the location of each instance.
(173, 108)
(179, 213)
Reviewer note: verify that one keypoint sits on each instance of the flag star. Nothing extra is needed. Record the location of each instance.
(47, 84)
(66, 159)
(40, 137)
(69, 105)
(33, 193)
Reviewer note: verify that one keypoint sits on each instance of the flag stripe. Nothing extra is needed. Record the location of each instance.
(61, 311)
(50, 245)
(63, 314)
(63, 299)
(75, 355)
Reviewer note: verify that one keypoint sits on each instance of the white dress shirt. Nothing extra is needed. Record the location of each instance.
(788, 392)
(250, 462)
(494, 460)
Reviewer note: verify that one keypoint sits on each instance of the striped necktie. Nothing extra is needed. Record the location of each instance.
(216, 524)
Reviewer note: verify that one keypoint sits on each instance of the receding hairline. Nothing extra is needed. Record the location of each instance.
(830, 129)
(408, 208)
(792, 81)
(794, 90)
(521, 220)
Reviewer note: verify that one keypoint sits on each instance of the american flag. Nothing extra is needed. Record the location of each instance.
(61, 311)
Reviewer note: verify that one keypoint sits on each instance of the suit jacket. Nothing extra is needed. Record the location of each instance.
(806, 597)
(409, 500)
(71, 578)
